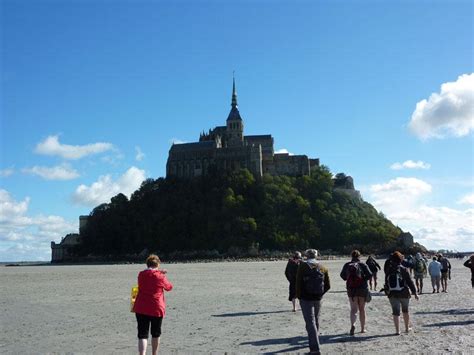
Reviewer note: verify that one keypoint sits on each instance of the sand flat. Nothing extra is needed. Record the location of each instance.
(233, 307)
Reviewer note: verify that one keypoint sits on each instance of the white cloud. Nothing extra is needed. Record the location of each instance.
(404, 202)
(59, 172)
(139, 154)
(6, 172)
(105, 187)
(468, 200)
(410, 164)
(398, 192)
(448, 113)
(283, 151)
(51, 146)
(176, 141)
(24, 237)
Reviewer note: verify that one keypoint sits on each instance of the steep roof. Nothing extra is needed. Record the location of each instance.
(234, 113)
(183, 147)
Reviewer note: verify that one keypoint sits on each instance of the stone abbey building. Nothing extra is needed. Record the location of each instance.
(226, 148)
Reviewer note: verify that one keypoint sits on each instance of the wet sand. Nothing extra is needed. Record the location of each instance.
(238, 307)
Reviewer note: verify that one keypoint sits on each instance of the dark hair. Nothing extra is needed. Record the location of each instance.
(355, 253)
(152, 261)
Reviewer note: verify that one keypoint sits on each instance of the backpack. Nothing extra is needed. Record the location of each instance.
(444, 264)
(354, 275)
(313, 281)
(395, 280)
(419, 266)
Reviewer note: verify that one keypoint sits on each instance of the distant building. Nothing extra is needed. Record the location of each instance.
(344, 183)
(62, 251)
(226, 148)
(405, 239)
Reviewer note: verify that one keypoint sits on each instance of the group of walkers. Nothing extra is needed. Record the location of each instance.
(309, 281)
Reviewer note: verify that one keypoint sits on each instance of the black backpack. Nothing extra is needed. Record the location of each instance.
(313, 281)
(395, 280)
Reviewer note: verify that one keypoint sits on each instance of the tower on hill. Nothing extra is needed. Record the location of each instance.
(226, 148)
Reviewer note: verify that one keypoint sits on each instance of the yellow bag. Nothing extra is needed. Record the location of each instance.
(133, 297)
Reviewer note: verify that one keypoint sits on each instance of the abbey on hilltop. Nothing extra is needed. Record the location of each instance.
(226, 148)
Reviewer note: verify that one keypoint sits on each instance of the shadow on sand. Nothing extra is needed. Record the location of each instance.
(452, 323)
(245, 314)
(301, 342)
(450, 312)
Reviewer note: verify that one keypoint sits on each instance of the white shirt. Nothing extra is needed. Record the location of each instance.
(435, 268)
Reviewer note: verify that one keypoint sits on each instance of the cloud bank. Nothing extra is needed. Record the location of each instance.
(404, 202)
(52, 146)
(22, 235)
(60, 172)
(410, 164)
(105, 188)
(449, 113)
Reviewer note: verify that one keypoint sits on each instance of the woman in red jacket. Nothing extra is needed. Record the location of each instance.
(150, 304)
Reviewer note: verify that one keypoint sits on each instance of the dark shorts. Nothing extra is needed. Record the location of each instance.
(444, 274)
(357, 292)
(143, 325)
(396, 303)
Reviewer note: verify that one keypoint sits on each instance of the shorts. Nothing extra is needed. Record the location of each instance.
(444, 275)
(357, 292)
(418, 275)
(143, 326)
(396, 303)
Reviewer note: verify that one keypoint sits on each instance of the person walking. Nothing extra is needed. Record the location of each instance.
(150, 306)
(356, 274)
(398, 284)
(312, 282)
(374, 267)
(434, 270)
(420, 270)
(445, 272)
(290, 273)
(470, 264)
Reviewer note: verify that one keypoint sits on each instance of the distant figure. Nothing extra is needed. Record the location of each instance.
(434, 270)
(312, 282)
(398, 285)
(420, 270)
(150, 304)
(445, 271)
(470, 264)
(409, 263)
(290, 273)
(374, 267)
(356, 274)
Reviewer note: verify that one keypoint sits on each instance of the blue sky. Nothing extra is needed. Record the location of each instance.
(94, 92)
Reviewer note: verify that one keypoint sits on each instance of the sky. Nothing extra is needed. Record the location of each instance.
(93, 94)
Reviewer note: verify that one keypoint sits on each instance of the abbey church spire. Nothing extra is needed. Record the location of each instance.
(234, 124)
(234, 94)
(234, 112)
